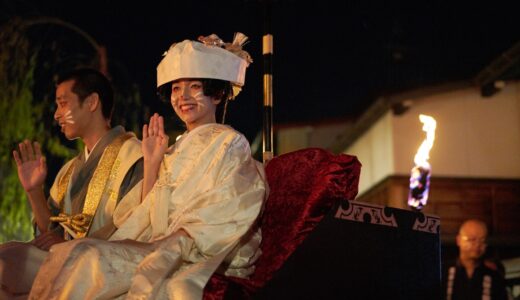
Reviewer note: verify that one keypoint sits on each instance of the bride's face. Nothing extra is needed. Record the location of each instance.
(191, 105)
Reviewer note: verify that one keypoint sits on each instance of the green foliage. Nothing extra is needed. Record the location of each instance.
(14, 211)
(16, 81)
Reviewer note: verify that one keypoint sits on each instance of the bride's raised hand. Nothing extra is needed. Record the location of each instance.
(155, 141)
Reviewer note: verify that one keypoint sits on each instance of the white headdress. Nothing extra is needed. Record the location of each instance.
(209, 58)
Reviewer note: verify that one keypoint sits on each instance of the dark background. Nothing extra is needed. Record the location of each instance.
(331, 58)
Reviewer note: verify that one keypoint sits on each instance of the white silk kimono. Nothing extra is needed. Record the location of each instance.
(198, 217)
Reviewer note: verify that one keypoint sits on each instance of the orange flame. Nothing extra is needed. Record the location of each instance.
(420, 176)
(423, 153)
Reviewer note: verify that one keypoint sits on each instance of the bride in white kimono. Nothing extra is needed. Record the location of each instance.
(201, 196)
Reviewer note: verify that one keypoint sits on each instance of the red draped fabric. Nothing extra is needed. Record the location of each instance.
(304, 185)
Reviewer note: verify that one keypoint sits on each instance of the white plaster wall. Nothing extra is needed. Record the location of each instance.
(318, 135)
(291, 139)
(475, 136)
(375, 152)
(325, 135)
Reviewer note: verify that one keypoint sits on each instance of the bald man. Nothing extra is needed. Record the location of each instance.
(470, 278)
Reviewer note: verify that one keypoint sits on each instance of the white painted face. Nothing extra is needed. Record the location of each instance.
(191, 105)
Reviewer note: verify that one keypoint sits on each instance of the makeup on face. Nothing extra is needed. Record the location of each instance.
(187, 89)
(68, 117)
(191, 105)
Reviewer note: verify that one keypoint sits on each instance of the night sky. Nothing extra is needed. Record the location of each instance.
(332, 58)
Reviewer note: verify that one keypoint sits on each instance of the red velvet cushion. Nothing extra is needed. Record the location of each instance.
(303, 187)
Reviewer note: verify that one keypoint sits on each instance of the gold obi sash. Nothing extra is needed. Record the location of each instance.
(78, 225)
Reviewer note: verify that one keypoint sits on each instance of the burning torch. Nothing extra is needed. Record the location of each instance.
(420, 175)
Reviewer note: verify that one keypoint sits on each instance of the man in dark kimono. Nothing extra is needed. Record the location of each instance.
(87, 188)
(470, 278)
